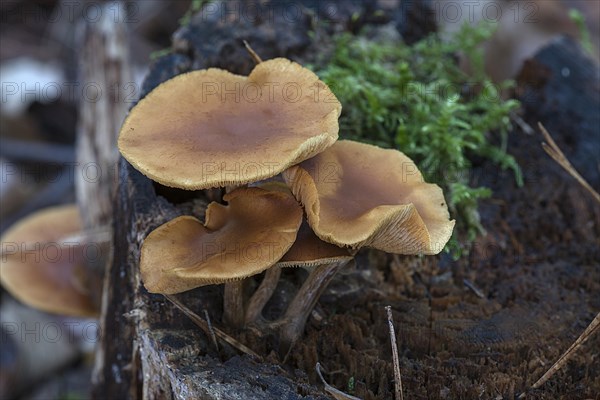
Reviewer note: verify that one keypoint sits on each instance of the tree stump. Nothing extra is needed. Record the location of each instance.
(535, 270)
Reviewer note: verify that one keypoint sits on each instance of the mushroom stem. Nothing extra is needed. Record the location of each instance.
(294, 320)
(233, 296)
(262, 295)
(233, 303)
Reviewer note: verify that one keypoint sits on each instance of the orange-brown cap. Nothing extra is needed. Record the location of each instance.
(42, 267)
(355, 195)
(211, 128)
(238, 240)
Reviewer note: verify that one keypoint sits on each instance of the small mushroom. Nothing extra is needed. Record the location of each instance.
(211, 128)
(238, 240)
(357, 195)
(42, 264)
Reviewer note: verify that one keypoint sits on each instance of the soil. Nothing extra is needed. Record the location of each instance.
(485, 326)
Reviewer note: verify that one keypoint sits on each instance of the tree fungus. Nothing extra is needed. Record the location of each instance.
(203, 130)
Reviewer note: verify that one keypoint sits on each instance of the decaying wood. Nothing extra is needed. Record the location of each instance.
(150, 349)
(105, 66)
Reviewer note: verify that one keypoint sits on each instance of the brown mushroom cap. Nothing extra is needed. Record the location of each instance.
(356, 195)
(41, 267)
(241, 239)
(211, 128)
(310, 251)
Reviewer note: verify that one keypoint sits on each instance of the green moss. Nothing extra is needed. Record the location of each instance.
(195, 6)
(584, 34)
(351, 385)
(416, 99)
(155, 55)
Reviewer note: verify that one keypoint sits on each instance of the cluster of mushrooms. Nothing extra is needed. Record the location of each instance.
(295, 195)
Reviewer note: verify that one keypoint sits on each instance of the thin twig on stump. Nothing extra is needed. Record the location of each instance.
(395, 358)
(556, 153)
(209, 330)
(589, 331)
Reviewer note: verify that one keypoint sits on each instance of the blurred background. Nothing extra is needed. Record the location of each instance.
(45, 356)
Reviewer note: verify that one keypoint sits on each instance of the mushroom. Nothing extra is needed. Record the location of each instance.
(43, 263)
(211, 128)
(358, 195)
(236, 241)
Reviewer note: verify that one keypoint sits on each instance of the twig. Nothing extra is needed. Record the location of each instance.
(589, 331)
(555, 152)
(202, 324)
(525, 127)
(336, 393)
(97, 235)
(253, 54)
(474, 288)
(211, 329)
(395, 358)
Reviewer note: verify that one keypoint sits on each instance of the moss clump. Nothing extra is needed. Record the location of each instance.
(416, 99)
